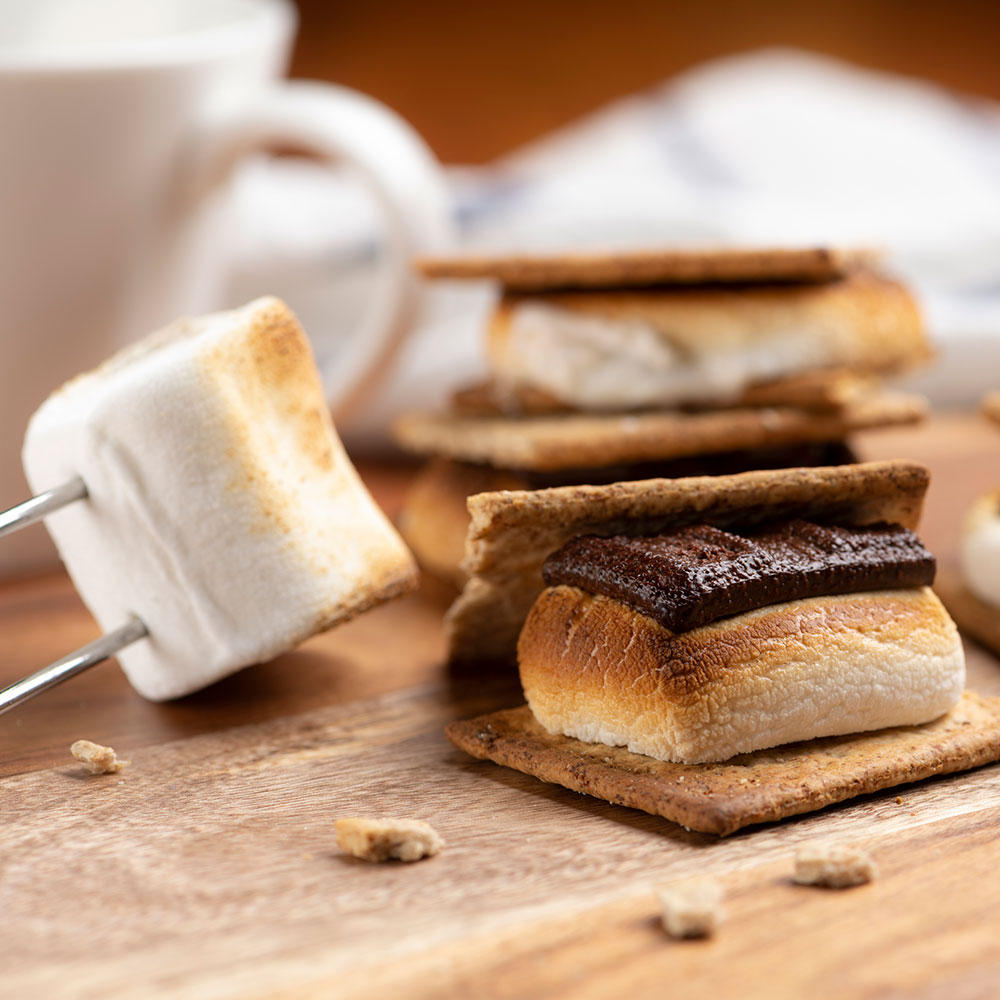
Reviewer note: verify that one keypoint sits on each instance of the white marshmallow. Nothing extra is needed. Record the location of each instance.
(980, 549)
(595, 362)
(222, 508)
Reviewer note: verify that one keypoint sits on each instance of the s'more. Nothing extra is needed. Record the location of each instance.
(615, 367)
(973, 594)
(724, 650)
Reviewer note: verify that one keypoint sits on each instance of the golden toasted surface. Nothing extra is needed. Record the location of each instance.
(754, 788)
(649, 267)
(598, 670)
(513, 532)
(277, 407)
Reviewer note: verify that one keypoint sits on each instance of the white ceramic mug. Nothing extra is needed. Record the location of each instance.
(120, 124)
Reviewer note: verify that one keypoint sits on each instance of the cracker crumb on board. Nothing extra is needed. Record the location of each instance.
(387, 839)
(97, 759)
(833, 865)
(692, 909)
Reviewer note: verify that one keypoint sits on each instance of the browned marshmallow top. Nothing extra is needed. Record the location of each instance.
(698, 574)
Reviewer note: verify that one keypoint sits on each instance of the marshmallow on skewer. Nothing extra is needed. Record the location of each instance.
(221, 508)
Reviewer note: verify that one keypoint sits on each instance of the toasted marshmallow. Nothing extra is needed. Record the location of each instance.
(980, 549)
(626, 348)
(602, 672)
(222, 509)
(601, 363)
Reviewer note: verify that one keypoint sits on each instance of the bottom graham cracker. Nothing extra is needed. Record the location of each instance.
(752, 788)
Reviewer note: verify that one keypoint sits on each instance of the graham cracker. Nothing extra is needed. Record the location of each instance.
(831, 389)
(827, 389)
(589, 440)
(512, 532)
(973, 616)
(758, 787)
(991, 406)
(489, 399)
(639, 268)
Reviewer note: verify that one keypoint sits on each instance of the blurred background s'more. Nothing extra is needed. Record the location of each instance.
(591, 124)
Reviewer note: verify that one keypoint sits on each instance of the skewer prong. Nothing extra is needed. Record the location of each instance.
(21, 516)
(36, 508)
(72, 664)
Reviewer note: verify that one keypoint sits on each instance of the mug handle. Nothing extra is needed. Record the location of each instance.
(334, 123)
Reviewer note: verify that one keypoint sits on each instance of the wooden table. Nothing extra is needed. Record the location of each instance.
(208, 868)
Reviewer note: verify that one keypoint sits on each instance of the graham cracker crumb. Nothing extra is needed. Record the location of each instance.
(692, 909)
(96, 758)
(386, 839)
(835, 866)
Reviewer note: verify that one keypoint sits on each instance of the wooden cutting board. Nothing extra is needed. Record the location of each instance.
(208, 868)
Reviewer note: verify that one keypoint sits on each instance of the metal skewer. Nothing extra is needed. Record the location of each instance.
(71, 665)
(41, 506)
(95, 652)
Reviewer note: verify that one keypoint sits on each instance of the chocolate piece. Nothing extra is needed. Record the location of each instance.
(699, 574)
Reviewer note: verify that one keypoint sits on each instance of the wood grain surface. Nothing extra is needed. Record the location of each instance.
(208, 868)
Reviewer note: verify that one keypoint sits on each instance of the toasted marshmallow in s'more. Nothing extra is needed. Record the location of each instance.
(614, 367)
(717, 643)
(724, 631)
(637, 348)
(221, 507)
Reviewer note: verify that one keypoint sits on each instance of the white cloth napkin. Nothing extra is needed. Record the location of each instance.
(772, 147)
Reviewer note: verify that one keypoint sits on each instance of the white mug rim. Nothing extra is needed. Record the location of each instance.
(260, 24)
